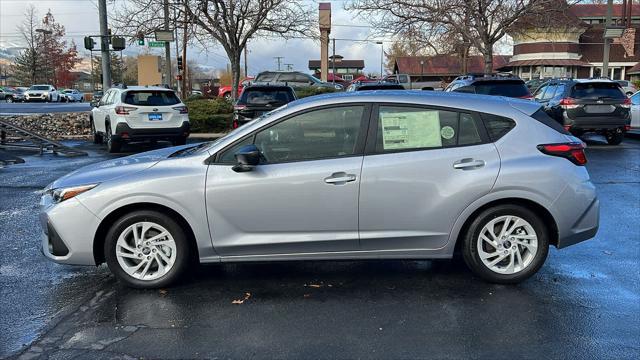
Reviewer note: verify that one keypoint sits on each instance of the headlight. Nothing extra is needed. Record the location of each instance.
(62, 194)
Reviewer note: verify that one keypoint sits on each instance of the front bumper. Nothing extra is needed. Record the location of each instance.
(68, 230)
(125, 133)
(36, 97)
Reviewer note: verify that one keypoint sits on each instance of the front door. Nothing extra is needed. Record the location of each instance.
(303, 197)
(423, 169)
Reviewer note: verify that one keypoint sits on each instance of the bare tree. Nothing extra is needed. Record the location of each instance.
(29, 62)
(478, 23)
(230, 23)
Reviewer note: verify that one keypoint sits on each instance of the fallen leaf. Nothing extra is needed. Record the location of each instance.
(163, 292)
(241, 301)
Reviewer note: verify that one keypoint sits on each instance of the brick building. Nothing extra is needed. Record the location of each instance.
(573, 47)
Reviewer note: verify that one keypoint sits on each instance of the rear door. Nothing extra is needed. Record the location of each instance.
(598, 104)
(152, 109)
(635, 111)
(422, 167)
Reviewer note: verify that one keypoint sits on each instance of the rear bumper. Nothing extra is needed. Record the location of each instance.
(125, 133)
(577, 214)
(596, 122)
(585, 228)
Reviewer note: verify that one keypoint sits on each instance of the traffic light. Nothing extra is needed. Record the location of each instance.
(88, 43)
(140, 38)
(179, 62)
(118, 43)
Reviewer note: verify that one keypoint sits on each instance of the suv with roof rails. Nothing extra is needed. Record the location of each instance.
(587, 105)
(498, 84)
(380, 85)
(138, 113)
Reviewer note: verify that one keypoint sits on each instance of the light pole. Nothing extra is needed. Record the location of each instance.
(421, 70)
(381, 55)
(44, 33)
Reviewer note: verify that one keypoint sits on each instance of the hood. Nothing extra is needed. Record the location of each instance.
(113, 169)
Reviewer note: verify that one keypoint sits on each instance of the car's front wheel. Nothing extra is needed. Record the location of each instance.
(9, 99)
(506, 244)
(147, 249)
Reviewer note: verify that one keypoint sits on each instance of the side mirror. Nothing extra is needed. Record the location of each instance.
(466, 89)
(247, 157)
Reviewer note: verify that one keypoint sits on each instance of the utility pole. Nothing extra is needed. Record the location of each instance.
(289, 67)
(246, 69)
(104, 45)
(185, 67)
(279, 60)
(333, 61)
(178, 71)
(607, 41)
(167, 45)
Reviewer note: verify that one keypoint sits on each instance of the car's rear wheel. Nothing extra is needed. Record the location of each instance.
(506, 244)
(147, 249)
(9, 99)
(113, 145)
(614, 137)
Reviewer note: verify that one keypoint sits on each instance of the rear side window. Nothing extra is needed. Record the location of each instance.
(403, 128)
(151, 98)
(542, 117)
(502, 88)
(595, 91)
(266, 77)
(273, 97)
(497, 126)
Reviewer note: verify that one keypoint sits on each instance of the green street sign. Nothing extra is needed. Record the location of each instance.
(156, 43)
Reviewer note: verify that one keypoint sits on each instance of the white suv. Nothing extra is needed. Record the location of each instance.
(138, 113)
(46, 93)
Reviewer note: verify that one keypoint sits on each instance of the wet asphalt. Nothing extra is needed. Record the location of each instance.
(583, 304)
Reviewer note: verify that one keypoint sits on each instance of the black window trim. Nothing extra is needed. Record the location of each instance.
(372, 136)
(360, 141)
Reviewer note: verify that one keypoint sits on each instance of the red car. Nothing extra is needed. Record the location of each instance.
(225, 91)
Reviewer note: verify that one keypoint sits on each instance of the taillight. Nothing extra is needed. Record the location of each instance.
(183, 109)
(568, 103)
(239, 107)
(125, 110)
(567, 127)
(627, 128)
(573, 151)
(626, 103)
(234, 124)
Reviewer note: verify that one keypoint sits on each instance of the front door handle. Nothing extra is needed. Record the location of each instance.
(340, 178)
(468, 164)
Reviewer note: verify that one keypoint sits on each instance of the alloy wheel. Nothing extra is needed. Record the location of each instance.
(146, 251)
(507, 244)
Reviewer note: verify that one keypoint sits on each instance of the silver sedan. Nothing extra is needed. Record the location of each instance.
(366, 175)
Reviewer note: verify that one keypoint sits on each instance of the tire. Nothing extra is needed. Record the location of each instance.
(228, 97)
(147, 256)
(532, 255)
(9, 99)
(179, 141)
(97, 137)
(113, 146)
(614, 138)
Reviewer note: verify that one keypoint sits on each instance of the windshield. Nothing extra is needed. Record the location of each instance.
(502, 88)
(595, 91)
(68, 91)
(151, 98)
(39, 87)
(265, 96)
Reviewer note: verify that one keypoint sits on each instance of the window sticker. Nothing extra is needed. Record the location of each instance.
(447, 132)
(410, 130)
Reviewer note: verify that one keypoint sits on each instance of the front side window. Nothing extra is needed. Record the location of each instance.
(540, 92)
(551, 90)
(410, 128)
(317, 134)
(264, 77)
(635, 99)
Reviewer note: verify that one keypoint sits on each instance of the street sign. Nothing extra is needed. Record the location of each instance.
(164, 35)
(156, 43)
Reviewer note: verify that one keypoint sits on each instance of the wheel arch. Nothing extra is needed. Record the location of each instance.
(541, 211)
(109, 220)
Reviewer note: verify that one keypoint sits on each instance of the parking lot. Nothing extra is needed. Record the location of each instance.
(584, 303)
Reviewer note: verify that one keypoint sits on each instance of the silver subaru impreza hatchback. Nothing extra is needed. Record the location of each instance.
(367, 175)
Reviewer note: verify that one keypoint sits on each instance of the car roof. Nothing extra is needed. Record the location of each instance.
(498, 105)
(268, 86)
(138, 88)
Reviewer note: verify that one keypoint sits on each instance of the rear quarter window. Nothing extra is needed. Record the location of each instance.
(542, 117)
(595, 91)
(497, 126)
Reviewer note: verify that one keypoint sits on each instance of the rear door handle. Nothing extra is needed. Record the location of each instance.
(468, 164)
(340, 178)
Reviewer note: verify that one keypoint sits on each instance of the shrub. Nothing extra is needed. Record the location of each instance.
(311, 91)
(209, 115)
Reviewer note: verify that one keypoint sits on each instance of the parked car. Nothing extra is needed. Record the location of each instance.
(139, 113)
(510, 86)
(407, 83)
(534, 84)
(368, 175)
(46, 93)
(295, 79)
(627, 87)
(635, 111)
(73, 95)
(225, 91)
(95, 98)
(587, 105)
(256, 100)
(11, 94)
(374, 86)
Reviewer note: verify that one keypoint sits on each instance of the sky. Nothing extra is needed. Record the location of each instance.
(80, 18)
